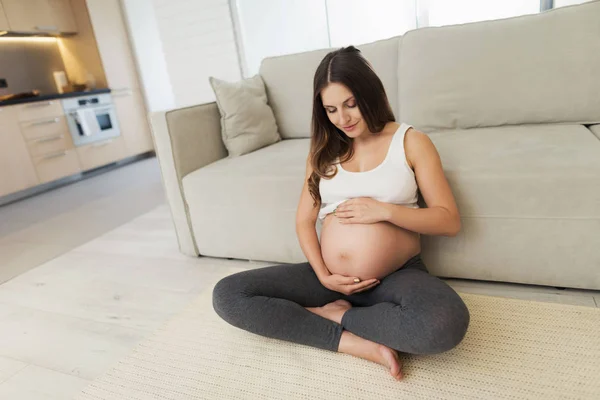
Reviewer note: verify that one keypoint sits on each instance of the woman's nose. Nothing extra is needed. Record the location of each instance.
(344, 117)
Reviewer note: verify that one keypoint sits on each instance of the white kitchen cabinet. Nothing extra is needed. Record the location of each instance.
(16, 167)
(133, 121)
(3, 21)
(51, 16)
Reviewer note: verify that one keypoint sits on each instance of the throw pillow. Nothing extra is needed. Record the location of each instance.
(247, 121)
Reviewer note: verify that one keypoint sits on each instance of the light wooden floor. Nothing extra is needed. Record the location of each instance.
(66, 321)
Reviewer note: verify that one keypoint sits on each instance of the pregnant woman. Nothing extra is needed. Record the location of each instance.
(364, 290)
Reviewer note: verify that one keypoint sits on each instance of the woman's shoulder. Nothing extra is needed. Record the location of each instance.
(417, 145)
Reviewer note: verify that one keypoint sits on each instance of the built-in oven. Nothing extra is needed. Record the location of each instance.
(91, 118)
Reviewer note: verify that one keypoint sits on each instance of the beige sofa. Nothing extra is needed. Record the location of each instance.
(513, 107)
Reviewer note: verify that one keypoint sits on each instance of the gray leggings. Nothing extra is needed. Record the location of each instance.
(410, 310)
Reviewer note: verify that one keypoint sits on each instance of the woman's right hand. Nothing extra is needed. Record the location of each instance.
(347, 284)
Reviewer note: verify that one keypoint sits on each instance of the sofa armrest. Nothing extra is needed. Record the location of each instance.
(185, 140)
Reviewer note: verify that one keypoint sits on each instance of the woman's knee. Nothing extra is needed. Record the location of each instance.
(446, 327)
(226, 296)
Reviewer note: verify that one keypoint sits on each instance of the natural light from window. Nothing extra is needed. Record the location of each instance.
(445, 12)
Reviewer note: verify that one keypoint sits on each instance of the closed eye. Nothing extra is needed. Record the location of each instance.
(331, 111)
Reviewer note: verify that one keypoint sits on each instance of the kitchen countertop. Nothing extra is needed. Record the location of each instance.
(52, 96)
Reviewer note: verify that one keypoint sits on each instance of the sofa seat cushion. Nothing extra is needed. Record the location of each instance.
(239, 205)
(511, 183)
(527, 171)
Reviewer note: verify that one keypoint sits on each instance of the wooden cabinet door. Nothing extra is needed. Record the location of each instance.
(16, 167)
(63, 15)
(29, 16)
(101, 153)
(40, 15)
(133, 121)
(3, 21)
(113, 44)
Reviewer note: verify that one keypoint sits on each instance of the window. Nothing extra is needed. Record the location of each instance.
(357, 21)
(562, 3)
(445, 12)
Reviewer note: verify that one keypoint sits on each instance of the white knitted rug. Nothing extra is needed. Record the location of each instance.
(514, 349)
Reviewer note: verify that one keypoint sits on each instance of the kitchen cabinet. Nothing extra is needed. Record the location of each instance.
(39, 110)
(101, 153)
(44, 128)
(16, 167)
(113, 44)
(3, 20)
(51, 16)
(133, 121)
(117, 58)
(63, 15)
(56, 165)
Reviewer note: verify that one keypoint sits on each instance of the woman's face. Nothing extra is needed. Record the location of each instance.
(342, 109)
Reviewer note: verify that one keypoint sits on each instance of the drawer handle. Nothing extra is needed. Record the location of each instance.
(102, 143)
(55, 155)
(41, 104)
(48, 121)
(49, 139)
(46, 28)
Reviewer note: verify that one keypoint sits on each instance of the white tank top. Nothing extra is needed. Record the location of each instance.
(392, 181)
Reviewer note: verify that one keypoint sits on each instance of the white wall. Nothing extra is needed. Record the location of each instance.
(147, 46)
(275, 27)
(198, 41)
(178, 45)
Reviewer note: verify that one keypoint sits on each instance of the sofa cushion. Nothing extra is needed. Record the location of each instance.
(238, 205)
(247, 121)
(530, 69)
(289, 83)
(595, 130)
(529, 171)
(529, 198)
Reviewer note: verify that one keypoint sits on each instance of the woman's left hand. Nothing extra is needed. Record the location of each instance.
(361, 210)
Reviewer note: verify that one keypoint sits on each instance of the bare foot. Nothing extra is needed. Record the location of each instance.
(333, 311)
(363, 348)
(357, 346)
(392, 361)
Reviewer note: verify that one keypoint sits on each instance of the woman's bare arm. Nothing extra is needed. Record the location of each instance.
(441, 217)
(306, 218)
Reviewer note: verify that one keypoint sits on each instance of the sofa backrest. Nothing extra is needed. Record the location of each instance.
(530, 69)
(541, 68)
(289, 83)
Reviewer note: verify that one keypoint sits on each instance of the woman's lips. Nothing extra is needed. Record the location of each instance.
(349, 128)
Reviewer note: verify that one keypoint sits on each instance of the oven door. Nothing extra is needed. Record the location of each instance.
(93, 124)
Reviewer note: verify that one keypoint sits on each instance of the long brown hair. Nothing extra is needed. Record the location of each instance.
(346, 66)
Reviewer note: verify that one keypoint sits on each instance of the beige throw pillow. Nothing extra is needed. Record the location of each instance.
(247, 121)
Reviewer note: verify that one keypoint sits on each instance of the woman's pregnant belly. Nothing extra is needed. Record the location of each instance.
(366, 250)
